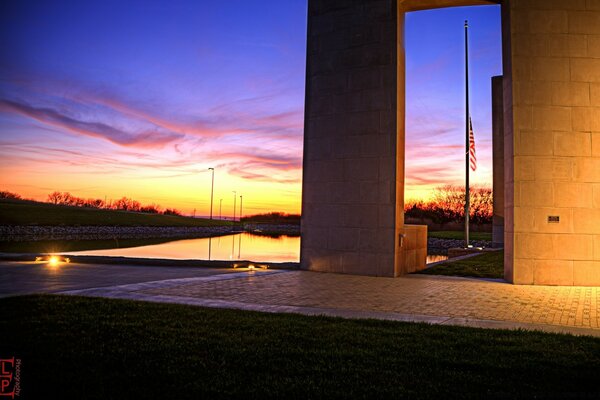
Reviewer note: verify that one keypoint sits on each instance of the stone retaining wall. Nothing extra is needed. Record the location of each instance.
(35, 233)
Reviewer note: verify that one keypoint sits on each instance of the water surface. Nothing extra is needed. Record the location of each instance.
(240, 246)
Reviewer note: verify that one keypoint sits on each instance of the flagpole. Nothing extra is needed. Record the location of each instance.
(467, 141)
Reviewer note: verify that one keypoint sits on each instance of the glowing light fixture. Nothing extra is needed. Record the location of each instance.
(53, 260)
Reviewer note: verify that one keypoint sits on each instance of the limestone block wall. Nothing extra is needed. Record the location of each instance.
(552, 147)
(349, 177)
(498, 161)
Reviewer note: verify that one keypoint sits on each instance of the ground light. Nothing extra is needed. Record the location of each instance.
(249, 266)
(53, 260)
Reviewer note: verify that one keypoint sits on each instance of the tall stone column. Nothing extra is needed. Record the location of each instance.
(349, 195)
(552, 147)
(498, 161)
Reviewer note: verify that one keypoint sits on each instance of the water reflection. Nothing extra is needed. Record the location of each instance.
(256, 248)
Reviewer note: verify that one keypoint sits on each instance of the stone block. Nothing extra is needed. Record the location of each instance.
(524, 219)
(585, 69)
(597, 247)
(533, 246)
(585, 220)
(574, 195)
(523, 117)
(586, 22)
(593, 46)
(596, 195)
(365, 78)
(567, 45)
(593, 5)
(586, 273)
(329, 84)
(369, 193)
(361, 169)
(522, 271)
(386, 216)
(548, 21)
(316, 238)
(571, 94)
(573, 144)
(343, 239)
(535, 143)
(587, 170)
(537, 194)
(367, 240)
(595, 94)
(361, 123)
(524, 168)
(552, 118)
(553, 272)
(551, 5)
(549, 69)
(553, 169)
(573, 247)
(542, 225)
(586, 119)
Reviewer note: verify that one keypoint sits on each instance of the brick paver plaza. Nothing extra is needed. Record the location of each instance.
(433, 299)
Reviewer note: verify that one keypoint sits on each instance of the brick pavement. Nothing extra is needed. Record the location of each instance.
(434, 299)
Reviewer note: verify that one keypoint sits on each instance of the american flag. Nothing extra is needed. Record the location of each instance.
(472, 156)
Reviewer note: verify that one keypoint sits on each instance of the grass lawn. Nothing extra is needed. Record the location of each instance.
(74, 347)
(486, 265)
(460, 235)
(34, 213)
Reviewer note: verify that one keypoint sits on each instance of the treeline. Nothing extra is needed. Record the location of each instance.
(122, 204)
(448, 205)
(5, 194)
(273, 218)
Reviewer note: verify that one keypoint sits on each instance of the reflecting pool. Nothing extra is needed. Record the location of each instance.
(239, 246)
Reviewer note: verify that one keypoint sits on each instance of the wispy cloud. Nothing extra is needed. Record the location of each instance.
(89, 128)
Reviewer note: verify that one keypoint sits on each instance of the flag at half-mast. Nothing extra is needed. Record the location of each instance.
(472, 156)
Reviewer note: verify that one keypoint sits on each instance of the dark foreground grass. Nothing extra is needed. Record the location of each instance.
(34, 213)
(486, 265)
(459, 235)
(73, 347)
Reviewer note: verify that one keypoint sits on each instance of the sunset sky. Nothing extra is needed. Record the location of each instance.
(140, 98)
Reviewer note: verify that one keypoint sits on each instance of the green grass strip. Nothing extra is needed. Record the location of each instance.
(75, 347)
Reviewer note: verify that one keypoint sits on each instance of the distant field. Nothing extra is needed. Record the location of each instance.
(32, 213)
(459, 235)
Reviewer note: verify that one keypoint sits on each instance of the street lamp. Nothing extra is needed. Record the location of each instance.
(234, 198)
(241, 207)
(212, 187)
(220, 209)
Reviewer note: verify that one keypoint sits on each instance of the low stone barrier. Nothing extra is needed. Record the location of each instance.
(36, 233)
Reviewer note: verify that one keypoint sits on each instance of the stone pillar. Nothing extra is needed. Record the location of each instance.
(498, 161)
(349, 192)
(552, 148)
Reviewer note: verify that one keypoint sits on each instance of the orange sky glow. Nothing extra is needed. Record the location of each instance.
(94, 110)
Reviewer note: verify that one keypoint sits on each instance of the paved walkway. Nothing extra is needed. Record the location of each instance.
(433, 299)
(17, 278)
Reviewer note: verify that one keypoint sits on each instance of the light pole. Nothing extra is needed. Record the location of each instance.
(220, 208)
(234, 198)
(212, 187)
(241, 207)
